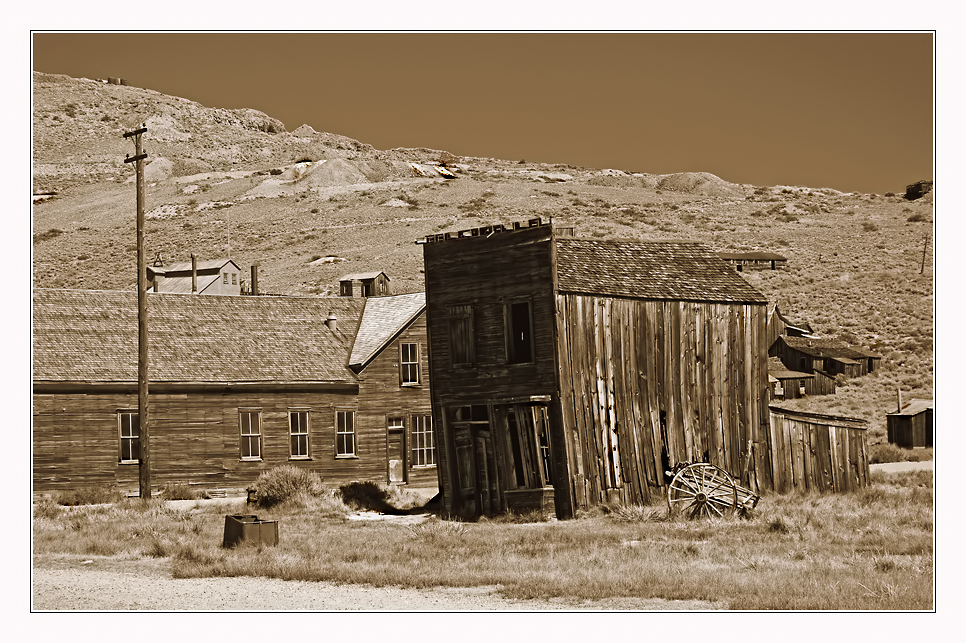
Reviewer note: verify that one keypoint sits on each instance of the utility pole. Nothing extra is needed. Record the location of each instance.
(925, 245)
(144, 459)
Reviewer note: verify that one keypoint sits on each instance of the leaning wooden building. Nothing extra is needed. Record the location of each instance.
(573, 372)
(238, 385)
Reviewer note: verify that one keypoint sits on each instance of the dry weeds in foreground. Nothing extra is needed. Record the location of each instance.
(870, 550)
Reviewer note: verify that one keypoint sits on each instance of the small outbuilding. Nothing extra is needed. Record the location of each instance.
(364, 284)
(755, 260)
(911, 426)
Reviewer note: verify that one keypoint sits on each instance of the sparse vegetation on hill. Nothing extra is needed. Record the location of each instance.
(237, 178)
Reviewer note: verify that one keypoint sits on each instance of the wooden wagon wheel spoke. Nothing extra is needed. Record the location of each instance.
(702, 489)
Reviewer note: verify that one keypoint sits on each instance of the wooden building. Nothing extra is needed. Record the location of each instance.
(911, 427)
(237, 385)
(364, 284)
(755, 260)
(830, 356)
(918, 190)
(779, 324)
(813, 452)
(786, 384)
(571, 372)
(211, 277)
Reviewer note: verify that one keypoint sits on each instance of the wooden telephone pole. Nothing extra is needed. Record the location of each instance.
(144, 459)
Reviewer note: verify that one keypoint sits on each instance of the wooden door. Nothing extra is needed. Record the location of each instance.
(397, 453)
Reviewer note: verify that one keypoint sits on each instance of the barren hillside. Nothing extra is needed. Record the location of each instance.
(310, 206)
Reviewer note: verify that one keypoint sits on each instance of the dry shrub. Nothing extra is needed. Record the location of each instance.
(281, 483)
(87, 496)
(179, 492)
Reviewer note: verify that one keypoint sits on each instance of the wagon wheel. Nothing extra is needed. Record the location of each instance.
(702, 490)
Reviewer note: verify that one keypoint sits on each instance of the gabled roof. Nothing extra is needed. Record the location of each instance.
(185, 266)
(914, 407)
(798, 326)
(819, 347)
(363, 276)
(672, 270)
(92, 336)
(382, 319)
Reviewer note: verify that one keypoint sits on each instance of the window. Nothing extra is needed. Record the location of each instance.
(408, 364)
(462, 352)
(424, 449)
(226, 277)
(519, 339)
(345, 434)
(298, 429)
(396, 423)
(234, 278)
(251, 434)
(129, 428)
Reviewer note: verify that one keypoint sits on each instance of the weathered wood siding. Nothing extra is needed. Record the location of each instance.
(487, 273)
(382, 395)
(910, 431)
(812, 452)
(194, 439)
(648, 384)
(821, 384)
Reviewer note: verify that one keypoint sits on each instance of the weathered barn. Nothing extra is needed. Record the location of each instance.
(211, 277)
(572, 372)
(911, 427)
(238, 385)
(779, 325)
(755, 260)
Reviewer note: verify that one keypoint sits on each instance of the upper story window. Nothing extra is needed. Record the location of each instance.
(519, 333)
(226, 277)
(462, 349)
(408, 364)
(234, 279)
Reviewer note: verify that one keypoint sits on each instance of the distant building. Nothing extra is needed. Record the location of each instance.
(918, 190)
(364, 284)
(754, 260)
(211, 277)
(911, 426)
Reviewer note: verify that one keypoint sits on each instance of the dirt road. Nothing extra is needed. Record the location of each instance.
(63, 583)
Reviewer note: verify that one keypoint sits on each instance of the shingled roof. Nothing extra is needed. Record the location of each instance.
(92, 336)
(674, 270)
(382, 319)
(824, 347)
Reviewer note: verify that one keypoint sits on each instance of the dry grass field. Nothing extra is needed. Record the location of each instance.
(869, 550)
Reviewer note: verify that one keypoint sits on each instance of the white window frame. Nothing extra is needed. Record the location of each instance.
(249, 436)
(409, 369)
(345, 447)
(134, 427)
(423, 442)
(303, 432)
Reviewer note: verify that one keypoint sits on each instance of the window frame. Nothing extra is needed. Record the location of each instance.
(307, 433)
(226, 278)
(257, 413)
(414, 365)
(348, 413)
(510, 329)
(135, 427)
(421, 428)
(461, 316)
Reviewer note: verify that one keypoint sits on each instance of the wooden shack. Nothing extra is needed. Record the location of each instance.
(779, 324)
(786, 384)
(573, 372)
(237, 385)
(814, 452)
(918, 190)
(911, 427)
(829, 356)
(364, 284)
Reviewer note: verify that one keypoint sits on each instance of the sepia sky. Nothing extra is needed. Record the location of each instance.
(849, 111)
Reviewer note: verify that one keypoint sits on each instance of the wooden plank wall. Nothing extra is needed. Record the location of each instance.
(487, 272)
(688, 378)
(821, 384)
(818, 453)
(194, 439)
(382, 395)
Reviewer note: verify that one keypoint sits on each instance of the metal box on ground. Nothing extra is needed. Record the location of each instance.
(250, 529)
